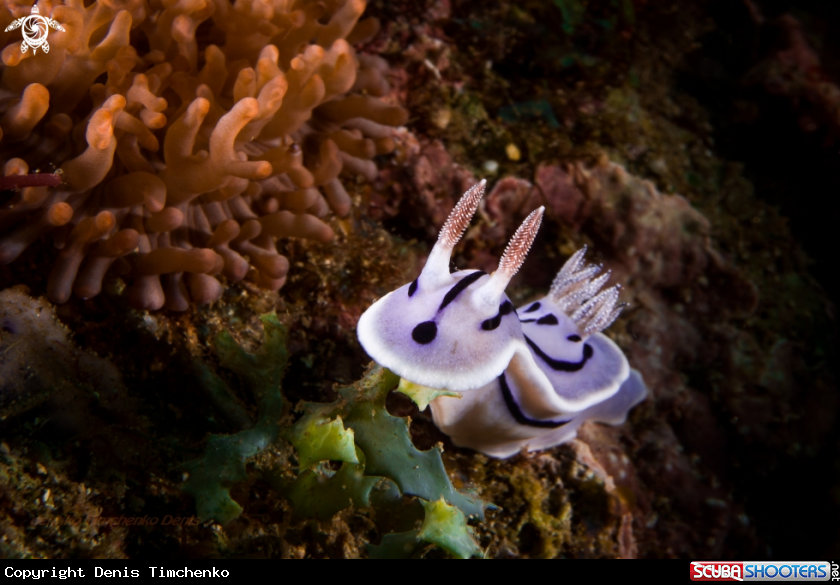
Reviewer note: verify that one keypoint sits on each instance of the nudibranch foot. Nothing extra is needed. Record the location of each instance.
(490, 420)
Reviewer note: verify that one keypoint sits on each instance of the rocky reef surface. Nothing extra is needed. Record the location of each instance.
(625, 120)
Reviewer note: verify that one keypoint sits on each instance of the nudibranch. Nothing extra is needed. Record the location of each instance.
(527, 378)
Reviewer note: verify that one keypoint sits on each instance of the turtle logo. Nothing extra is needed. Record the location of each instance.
(35, 29)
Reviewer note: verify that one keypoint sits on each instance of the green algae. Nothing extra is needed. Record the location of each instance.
(443, 525)
(446, 526)
(322, 493)
(373, 447)
(386, 441)
(317, 438)
(422, 395)
(223, 463)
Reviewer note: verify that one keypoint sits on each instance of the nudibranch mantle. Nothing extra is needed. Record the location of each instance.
(528, 378)
(438, 344)
(450, 330)
(588, 369)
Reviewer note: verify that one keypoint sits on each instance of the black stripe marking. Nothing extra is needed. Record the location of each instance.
(547, 320)
(559, 365)
(412, 288)
(517, 413)
(425, 332)
(505, 308)
(533, 307)
(574, 338)
(459, 288)
(527, 320)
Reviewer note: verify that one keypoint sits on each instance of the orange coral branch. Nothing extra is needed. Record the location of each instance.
(178, 177)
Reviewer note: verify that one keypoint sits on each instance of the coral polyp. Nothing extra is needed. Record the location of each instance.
(191, 136)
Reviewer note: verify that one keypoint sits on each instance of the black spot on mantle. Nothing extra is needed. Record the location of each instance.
(425, 332)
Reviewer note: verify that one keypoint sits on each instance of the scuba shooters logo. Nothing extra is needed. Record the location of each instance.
(35, 30)
(716, 571)
(760, 571)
